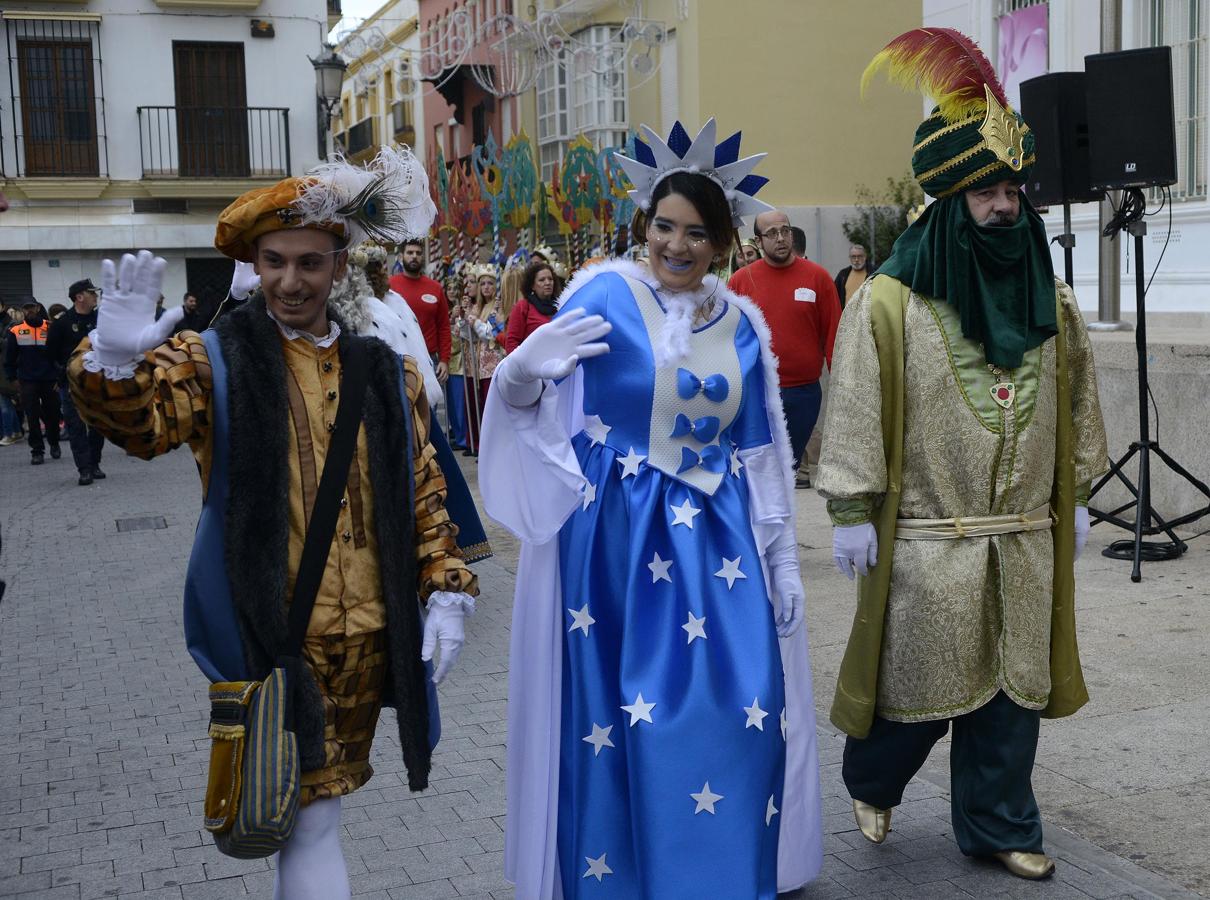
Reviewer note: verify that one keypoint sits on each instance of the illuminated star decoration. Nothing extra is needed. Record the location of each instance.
(706, 799)
(581, 619)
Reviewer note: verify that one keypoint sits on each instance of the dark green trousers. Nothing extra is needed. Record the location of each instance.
(992, 801)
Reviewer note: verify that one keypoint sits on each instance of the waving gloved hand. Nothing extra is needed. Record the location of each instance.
(1083, 525)
(443, 628)
(855, 546)
(244, 281)
(552, 351)
(126, 322)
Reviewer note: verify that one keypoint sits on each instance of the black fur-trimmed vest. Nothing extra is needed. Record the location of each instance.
(256, 526)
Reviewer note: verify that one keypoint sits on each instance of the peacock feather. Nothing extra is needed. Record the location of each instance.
(943, 64)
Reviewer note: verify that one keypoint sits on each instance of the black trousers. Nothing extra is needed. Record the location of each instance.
(40, 401)
(992, 803)
(86, 443)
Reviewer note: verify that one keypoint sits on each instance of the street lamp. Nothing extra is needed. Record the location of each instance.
(329, 75)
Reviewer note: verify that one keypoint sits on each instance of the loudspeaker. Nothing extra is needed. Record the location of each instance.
(1131, 125)
(1054, 107)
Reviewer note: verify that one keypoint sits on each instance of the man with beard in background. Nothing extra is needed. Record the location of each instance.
(427, 301)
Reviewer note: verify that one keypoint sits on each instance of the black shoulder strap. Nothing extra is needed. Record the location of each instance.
(353, 377)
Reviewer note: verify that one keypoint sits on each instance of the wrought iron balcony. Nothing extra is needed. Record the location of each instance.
(358, 138)
(214, 141)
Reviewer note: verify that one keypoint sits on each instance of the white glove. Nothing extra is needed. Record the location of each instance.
(244, 281)
(443, 627)
(855, 546)
(551, 352)
(1082, 527)
(126, 322)
(782, 559)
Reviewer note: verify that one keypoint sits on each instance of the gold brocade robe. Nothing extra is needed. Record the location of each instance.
(963, 618)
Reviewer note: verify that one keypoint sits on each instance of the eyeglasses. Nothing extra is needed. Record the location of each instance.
(775, 233)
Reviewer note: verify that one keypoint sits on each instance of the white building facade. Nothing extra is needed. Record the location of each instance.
(128, 124)
(1072, 30)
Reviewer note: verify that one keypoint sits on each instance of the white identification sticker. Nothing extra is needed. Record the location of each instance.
(430, 298)
(804, 295)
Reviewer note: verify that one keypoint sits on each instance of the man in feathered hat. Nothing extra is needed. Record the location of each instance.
(255, 398)
(962, 434)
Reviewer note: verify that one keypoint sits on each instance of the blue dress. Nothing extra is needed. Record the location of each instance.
(673, 746)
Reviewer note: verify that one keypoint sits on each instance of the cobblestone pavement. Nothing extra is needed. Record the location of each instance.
(103, 748)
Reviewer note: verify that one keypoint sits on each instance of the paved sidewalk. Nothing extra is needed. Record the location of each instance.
(103, 748)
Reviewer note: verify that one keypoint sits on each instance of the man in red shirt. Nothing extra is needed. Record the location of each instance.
(427, 301)
(798, 299)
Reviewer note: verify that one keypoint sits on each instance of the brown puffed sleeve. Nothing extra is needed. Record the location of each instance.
(439, 561)
(166, 403)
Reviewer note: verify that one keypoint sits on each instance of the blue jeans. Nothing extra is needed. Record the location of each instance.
(10, 422)
(455, 404)
(801, 405)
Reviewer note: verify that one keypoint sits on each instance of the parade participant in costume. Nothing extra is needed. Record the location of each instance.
(537, 306)
(485, 324)
(661, 736)
(962, 433)
(254, 398)
(455, 385)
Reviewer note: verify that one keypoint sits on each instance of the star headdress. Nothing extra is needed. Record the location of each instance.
(654, 160)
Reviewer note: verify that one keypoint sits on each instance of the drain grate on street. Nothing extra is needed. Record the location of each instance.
(142, 523)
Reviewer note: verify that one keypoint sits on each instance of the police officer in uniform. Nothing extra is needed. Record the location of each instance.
(66, 332)
(27, 361)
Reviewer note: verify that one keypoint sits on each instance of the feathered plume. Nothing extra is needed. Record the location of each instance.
(387, 201)
(943, 64)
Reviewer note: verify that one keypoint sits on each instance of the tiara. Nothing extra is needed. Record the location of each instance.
(654, 160)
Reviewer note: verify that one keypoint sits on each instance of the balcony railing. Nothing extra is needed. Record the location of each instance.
(214, 141)
(359, 137)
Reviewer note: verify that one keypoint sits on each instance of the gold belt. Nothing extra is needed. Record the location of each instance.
(972, 526)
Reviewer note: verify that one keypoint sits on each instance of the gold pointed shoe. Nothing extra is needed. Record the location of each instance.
(1033, 866)
(873, 822)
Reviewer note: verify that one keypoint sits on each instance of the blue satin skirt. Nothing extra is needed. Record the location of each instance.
(676, 796)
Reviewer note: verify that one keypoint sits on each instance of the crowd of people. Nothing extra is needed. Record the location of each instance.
(641, 425)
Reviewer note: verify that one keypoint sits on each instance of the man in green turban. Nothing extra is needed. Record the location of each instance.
(963, 431)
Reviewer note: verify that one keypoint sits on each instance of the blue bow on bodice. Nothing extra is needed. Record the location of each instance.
(715, 387)
(712, 459)
(704, 429)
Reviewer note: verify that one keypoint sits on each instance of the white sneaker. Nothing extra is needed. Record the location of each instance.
(9, 440)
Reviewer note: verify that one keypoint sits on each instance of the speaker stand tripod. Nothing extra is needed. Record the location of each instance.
(1147, 522)
(1067, 240)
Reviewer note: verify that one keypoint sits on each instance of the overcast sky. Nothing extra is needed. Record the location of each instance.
(356, 11)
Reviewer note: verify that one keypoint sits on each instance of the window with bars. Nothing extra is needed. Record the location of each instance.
(1181, 25)
(582, 90)
(57, 103)
(1004, 7)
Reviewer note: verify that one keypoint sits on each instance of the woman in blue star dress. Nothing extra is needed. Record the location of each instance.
(661, 734)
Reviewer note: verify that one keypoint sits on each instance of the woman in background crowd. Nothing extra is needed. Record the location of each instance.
(486, 323)
(455, 384)
(537, 306)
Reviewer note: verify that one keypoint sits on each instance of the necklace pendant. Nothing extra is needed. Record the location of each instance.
(1004, 393)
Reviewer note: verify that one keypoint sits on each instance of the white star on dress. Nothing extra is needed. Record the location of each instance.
(599, 738)
(736, 464)
(659, 569)
(770, 811)
(695, 627)
(706, 799)
(730, 571)
(684, 514)
(581, 619)
(597, 867)
(783, 723)
(630, 463)
(756, 715)
(590, 494)
(596, 429)
(639, 710)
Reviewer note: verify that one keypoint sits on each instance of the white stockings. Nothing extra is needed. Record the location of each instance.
(311, 866)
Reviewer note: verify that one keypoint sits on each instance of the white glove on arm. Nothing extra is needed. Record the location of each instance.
(551, 352)
(126, 322)
(244, 281)
(855, 546)
(782, 558)
(443, 628)
(1083, 525)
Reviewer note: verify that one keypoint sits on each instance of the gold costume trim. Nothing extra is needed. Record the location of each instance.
(960, 527)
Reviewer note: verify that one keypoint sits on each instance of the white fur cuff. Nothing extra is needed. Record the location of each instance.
(120, 372)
